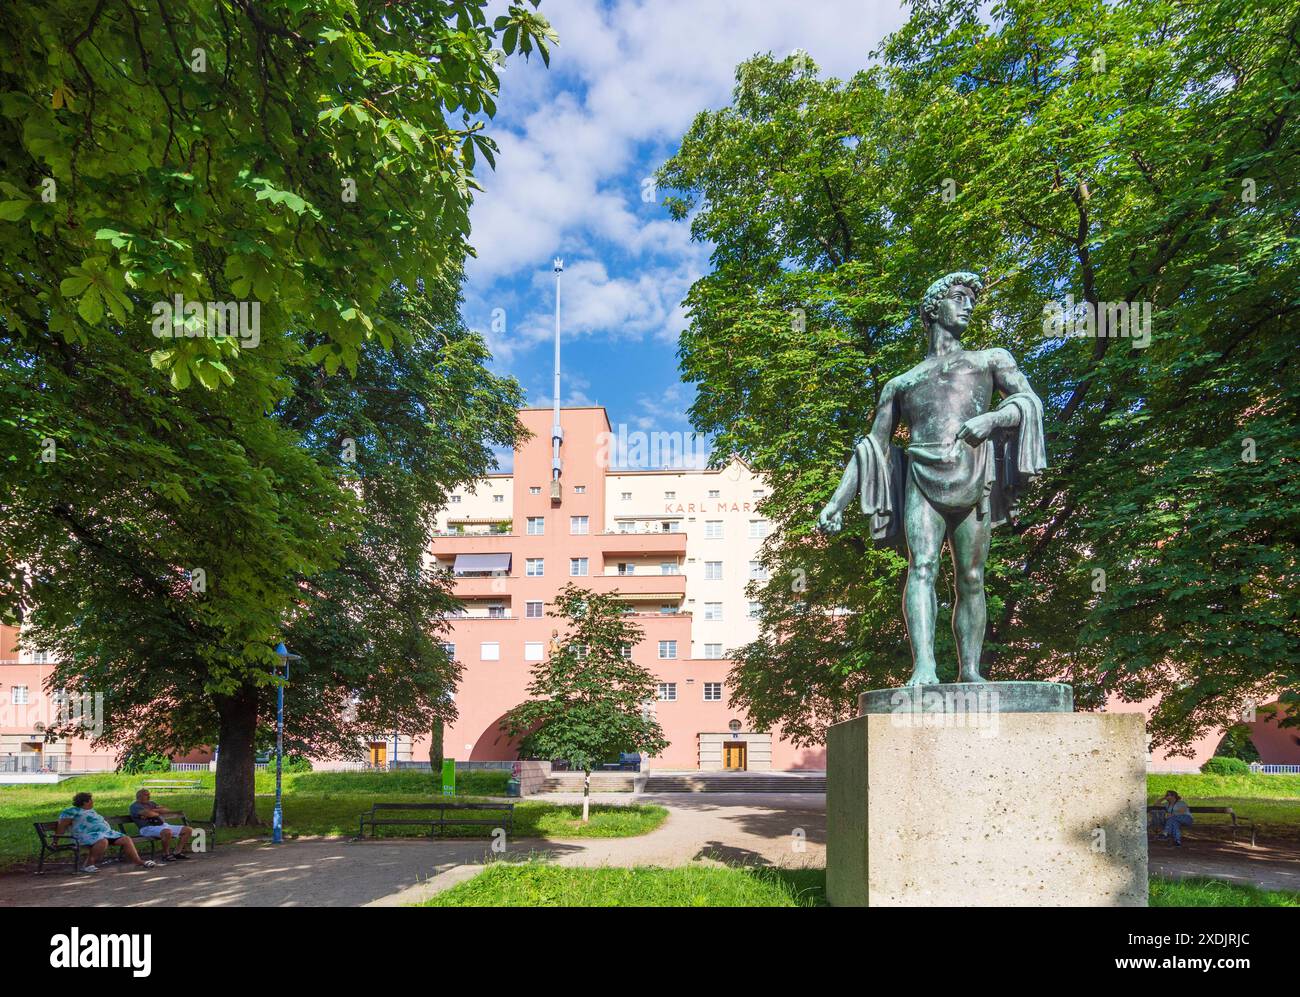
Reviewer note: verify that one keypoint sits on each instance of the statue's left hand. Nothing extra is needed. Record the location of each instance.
(978, 429)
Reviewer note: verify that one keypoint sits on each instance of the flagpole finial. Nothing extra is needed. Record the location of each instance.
(559, 265)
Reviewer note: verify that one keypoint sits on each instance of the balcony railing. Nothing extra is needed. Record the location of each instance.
(31, 762)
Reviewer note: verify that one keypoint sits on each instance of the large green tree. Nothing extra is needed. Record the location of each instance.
(180, 503)
(1111, 152)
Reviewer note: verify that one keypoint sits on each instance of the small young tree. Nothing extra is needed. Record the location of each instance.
(589, 700)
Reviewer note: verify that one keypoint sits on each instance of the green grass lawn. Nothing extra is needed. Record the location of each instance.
(1216, 893)
(532, 884)
(1271, 801)
(315, 803)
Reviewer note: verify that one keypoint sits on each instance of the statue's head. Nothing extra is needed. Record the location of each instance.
(950, 300)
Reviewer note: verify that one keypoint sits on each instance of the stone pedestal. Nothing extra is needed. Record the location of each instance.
(1008, 809)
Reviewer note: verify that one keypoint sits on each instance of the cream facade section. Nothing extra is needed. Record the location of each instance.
(718, 512)
(487, 507)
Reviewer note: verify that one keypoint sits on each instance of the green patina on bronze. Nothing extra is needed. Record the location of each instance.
(956, 698)
(958, 477)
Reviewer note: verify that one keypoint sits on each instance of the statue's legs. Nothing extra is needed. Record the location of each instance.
(925, 528)
(970, 549)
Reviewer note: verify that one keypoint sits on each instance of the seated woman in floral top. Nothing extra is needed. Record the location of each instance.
(90, 829)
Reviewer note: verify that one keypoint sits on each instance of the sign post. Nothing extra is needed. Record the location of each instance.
(449, 777)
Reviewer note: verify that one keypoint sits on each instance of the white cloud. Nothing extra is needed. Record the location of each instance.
(577, 140)
(623, 76)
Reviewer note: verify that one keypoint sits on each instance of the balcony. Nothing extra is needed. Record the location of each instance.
(448, 545)
(613, 544)
(474, 587)
(670, 588)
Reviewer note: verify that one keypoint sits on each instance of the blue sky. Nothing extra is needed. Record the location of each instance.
(578, 141)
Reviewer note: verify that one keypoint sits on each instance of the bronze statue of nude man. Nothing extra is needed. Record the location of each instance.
(959, 475)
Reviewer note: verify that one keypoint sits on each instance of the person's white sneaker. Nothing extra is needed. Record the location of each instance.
(90, 868)
(149, 863)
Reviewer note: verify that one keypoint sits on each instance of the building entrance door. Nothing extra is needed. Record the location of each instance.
(378, 755)
(734, 756)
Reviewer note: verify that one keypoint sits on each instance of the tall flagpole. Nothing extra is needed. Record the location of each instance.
(557, 434)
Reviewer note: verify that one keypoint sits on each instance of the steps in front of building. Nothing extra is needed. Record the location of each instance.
(686, 782)
(601, 782)
(734, 782)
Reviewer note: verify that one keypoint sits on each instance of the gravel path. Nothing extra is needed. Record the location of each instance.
(1270, 866)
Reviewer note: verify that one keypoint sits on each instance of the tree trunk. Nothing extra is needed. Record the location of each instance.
(233, 805)
(586, 795)
(435, 749)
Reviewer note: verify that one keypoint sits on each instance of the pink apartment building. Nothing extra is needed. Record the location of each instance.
(678, 546)
(27, 708)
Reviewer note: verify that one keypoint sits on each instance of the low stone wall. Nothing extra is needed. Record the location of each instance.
(532, 775)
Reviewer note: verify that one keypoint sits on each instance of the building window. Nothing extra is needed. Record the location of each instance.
(450, 651)
(758, 493)
(498, 498)
(670, 495)
(496, 612)
(668, 568)
(579, 525)
(581, 651)
(754, 610)
(41, 657)
(667, 609)
(579, 489)
(713, 571)
(455, 500)
(713, 611)
(668, 649)
(535, 567)
(715, 493)
(533, 650)
(626, 569)
(18, 696)
(536, 526)
(713, 650)
(759, 529)
(533, 609)
(757, 573)
(489, 650)
(667, 692)
(625, 652)
(713, 692)
(626, 496)
(578, 567)
(713, 529)
(534, 489)
(626, 527)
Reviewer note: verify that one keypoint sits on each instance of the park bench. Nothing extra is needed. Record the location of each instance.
(435, 815)
(1237, 820)
(52, 843)
(171, 817)
(172, 785)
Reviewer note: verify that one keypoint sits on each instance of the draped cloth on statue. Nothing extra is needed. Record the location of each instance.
(954, 476)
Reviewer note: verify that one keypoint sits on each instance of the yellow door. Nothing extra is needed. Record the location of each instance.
(734, 756)
(379, 755)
